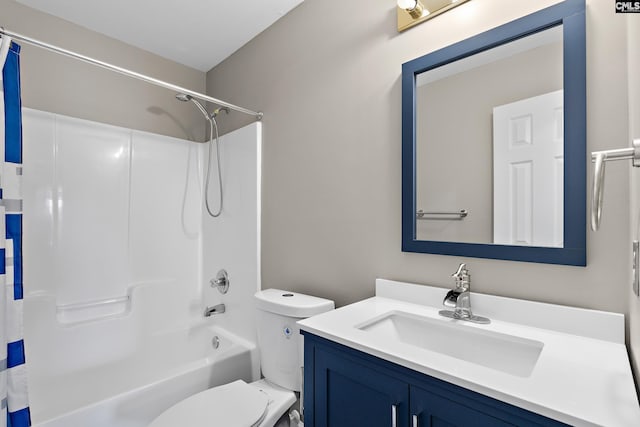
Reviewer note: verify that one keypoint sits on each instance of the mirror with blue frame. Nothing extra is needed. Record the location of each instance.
(494, 143)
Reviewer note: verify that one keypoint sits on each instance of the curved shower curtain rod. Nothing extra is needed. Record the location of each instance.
(129, 73)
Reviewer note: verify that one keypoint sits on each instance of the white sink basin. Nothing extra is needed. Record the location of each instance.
(502, 352)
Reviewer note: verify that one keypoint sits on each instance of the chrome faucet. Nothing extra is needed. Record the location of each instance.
(216, 309)
(460, 298)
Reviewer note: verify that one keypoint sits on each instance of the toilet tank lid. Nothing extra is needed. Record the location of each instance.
(292, 304)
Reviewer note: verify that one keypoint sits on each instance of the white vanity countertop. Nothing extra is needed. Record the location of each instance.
(581, 378)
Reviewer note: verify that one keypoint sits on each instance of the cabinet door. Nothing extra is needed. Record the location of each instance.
(350, 393)
(431, 410)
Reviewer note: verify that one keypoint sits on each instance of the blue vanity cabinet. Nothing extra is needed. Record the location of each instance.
(344, 387)
(356, 395)
(434, 410)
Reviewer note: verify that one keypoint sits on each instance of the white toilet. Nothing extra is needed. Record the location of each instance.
(261, 403)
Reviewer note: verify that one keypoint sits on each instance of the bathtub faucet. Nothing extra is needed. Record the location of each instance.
(216, 309)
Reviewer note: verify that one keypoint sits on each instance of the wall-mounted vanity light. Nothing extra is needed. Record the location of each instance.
(414, 12)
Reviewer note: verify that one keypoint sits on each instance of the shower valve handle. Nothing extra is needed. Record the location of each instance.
(221, 282)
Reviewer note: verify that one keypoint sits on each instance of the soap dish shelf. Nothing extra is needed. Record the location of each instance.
(92, 310)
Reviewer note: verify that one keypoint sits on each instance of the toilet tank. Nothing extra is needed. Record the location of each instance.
(279, 339)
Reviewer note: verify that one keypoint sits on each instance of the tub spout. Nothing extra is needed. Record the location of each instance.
(216, 309)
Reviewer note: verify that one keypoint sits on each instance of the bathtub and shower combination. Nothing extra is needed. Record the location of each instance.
(118, 246)
(118, 254)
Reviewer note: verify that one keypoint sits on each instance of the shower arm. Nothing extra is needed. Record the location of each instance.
(258, 115)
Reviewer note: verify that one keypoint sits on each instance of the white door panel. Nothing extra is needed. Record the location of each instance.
(528, 165)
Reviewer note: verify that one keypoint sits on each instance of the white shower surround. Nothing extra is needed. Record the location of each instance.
(115, 214)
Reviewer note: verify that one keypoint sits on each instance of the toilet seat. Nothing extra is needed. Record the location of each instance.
(236, 404)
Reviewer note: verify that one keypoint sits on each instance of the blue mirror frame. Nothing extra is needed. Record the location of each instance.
(571, 15)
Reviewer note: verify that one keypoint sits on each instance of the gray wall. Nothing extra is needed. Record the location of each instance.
(327, 77)
(58, 84)
(633, 49)
(454, 133)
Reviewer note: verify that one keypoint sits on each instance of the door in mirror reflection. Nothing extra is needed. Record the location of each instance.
(528, 166)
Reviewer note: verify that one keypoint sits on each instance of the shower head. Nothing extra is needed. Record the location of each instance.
(184, 98)
(213, 128)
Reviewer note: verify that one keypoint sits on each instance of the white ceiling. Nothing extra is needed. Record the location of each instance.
(197, 33)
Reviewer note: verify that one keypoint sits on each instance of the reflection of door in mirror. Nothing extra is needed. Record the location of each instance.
(528, 165)
(454, 135)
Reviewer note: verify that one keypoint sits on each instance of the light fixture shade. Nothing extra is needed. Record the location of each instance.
(414, 8)
(413, 12)
(407, 4)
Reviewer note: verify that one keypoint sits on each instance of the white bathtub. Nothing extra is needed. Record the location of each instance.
(134, 390)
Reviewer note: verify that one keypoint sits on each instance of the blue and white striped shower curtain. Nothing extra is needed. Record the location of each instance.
(13, 371)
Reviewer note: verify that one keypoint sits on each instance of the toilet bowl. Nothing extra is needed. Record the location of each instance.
(261, 403)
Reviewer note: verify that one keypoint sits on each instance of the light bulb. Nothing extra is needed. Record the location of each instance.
(407, 4)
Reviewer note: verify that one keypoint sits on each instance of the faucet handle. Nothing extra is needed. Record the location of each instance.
(462, 269)
(462, 277)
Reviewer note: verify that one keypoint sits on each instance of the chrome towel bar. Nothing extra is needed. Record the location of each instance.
(458, 215)
(599, 158)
